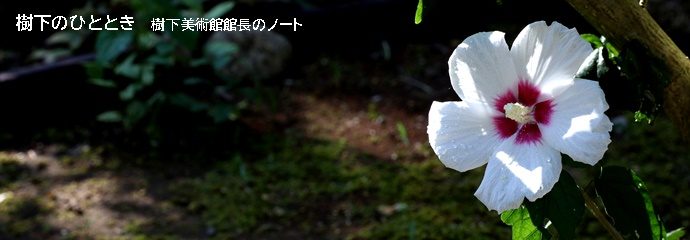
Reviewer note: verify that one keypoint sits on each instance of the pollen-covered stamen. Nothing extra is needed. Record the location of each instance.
(519, 113)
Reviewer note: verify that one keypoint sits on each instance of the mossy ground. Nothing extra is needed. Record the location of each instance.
(291, 184)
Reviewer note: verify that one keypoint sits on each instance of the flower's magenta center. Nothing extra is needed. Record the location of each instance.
(522, 114)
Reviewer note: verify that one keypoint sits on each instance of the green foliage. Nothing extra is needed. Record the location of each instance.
(111, 116)
(622, 193)
(110, 44)
(219, 53)
(520, 220)
(675, 234)
(627, 202)
(63, 43)
(633, 70)
(73, 39)
(161, 73)
(402, 133)
(642, 117)
(418, 13)
(219, 10)
(639, 149)
(651, 76)
(556, 214)
(601, 64)
(563, 208)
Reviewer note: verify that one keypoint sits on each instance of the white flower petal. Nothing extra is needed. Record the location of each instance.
(481, 67)
(549, 56)
(578, 125)
(463, 137)
(517, 171)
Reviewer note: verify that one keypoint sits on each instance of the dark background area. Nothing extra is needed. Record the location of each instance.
(349, 29)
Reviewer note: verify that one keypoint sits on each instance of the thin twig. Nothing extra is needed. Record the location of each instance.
(17, 73)
(592, 206)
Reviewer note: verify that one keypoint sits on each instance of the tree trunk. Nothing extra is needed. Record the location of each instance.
(623, 22)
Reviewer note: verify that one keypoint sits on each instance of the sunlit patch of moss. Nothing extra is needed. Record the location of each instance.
(150, 237)
(441, 206)
(135, 232)
(436, 221)
(23, 218)
(264, 195)
(319, 188)
(11, 170)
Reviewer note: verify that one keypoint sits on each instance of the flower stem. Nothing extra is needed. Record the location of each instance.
(592, 206)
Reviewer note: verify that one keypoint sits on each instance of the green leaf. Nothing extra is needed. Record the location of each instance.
(654, 220)
(129, 92)
(72, 38)
(195, 5)
(148, 9)
(219, 10)
(165, 48)
(49, 55)
(675, 234)
(627, 202)
(642, 117)
(93, 70)
(136, 110)
(187, 102)
(128, 68)
(60, 37)
(191, 81)
(102, 82)
(519, 219)
(592, 39)
(158, 59)
(156, 98)
(220, 53)
(147, 74)
(223, 112)
(198, 62)
(186, 39)
(109, 116)
(148, 40)
(418, 13)
(402, 132)
(650, 77)
(110, 44)
(563, 206)
(613, 52)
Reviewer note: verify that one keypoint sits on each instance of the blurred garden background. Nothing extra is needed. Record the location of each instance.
(318, 133)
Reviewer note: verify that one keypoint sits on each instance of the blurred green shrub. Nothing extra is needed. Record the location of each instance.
(165, 74)
(153, 69)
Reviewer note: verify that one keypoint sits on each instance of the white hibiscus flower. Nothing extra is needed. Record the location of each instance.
(520, 109)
